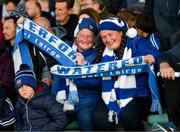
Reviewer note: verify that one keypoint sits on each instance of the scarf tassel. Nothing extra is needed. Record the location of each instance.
(156, 106)
(68, 106)
(73, 97)
(113, 116)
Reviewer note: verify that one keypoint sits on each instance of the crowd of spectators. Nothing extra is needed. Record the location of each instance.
(89, 27)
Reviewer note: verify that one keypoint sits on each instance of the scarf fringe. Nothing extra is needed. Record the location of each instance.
(73, 97)
(73, 92)
(113, 116)
(156, 106)
(68, 106)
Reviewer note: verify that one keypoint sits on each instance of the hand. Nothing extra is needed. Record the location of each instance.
(80, 59)
(149, 59)
(20, 20)
(166, 71)
(47, 81)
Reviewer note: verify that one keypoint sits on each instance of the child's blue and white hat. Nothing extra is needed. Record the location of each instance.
(116, 24)
(25, 76)
(88, 23)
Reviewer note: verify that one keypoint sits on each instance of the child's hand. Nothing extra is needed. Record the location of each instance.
(20, 20)
(149, 59)
(80, 59)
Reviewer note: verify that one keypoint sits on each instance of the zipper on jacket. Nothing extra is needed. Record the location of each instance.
(27, 117)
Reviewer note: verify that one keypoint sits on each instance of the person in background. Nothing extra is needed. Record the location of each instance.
(174, 38)
(127, 15)
(7, 112)
(114, 5)
(48, 6)
(34, 11)
(8, 6)
(169, 63)
(89, 12)
(98, 6)
(44, 112)
(65, 19)
(146, 27)
(6, 61)
(166, 14)
(9, 32)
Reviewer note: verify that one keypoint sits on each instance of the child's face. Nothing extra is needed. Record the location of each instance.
(26, 92)
(85, 39)
(112, 39)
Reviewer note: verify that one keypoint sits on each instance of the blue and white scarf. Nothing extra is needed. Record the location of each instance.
(71, 89)
(65, 55)
(46, 41)
(126, 83)
(118, 94)
(115, 94)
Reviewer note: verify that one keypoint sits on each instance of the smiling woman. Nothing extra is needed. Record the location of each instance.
(84, 94)
(125, 94)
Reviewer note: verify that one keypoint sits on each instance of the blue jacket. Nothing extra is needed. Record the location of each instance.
(89, 89)
(7, 113)
(155, 40)
(40, 113)
(142, 47)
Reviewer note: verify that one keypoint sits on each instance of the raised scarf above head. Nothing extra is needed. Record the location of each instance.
(46, 41)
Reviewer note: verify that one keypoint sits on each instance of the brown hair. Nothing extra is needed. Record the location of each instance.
(90, 12)
(127, 15)
(145, 22)
(70, 3)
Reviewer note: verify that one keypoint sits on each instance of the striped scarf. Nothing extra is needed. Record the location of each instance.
(46, 41)
(117, 94)
(68, 95)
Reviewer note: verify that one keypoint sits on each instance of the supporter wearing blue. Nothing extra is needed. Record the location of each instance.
(36, 109)
(146, 27)
(134, 102)
(169, 64)
(7, 113)
(87, 92)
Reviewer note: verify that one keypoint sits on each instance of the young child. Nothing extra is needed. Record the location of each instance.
(7, 113)
(36, 109)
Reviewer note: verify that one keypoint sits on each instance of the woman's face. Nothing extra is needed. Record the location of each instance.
(85, 39)
(111, 38)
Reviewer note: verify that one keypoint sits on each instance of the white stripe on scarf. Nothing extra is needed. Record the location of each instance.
(123, 82)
